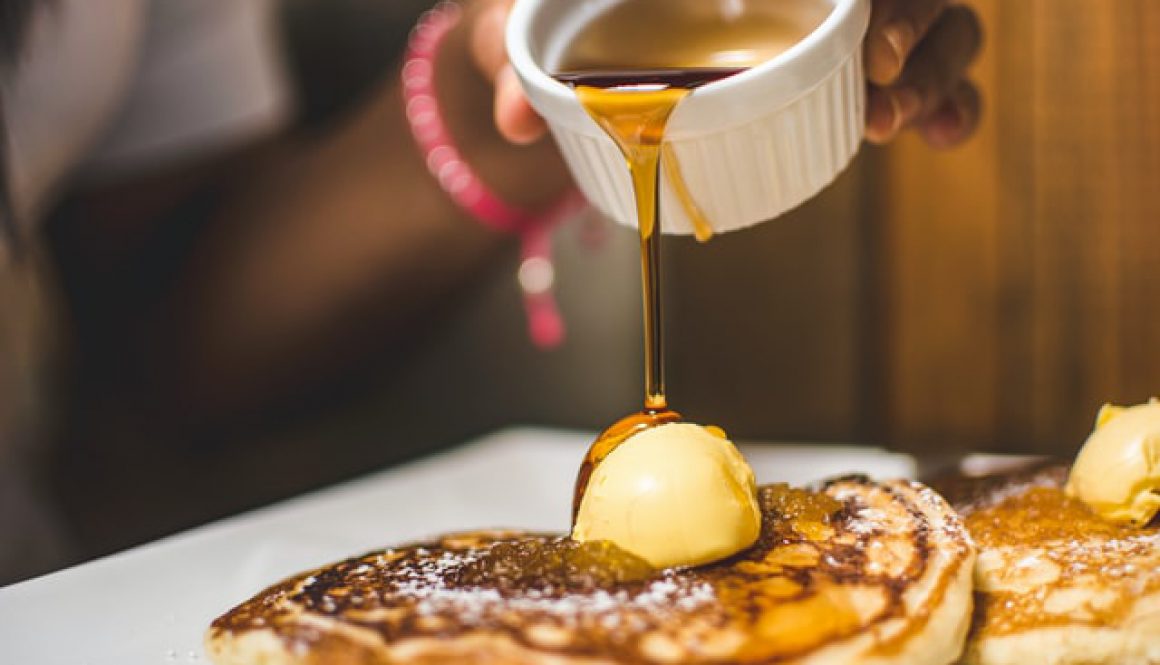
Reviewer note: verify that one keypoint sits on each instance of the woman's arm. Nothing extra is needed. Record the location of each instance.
(328, 248)
(325, 249)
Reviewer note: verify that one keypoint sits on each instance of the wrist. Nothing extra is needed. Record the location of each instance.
(438, 100)
(529, 176)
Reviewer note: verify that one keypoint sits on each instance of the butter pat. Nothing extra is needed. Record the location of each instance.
(1117, 472)
(674, 495)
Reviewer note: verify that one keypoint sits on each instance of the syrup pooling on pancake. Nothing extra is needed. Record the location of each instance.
(827, 567)
(1048, 560)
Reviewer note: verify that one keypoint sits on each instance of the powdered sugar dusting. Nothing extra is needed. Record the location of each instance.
(428, 585)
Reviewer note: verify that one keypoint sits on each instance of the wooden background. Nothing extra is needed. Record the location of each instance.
(990, 297)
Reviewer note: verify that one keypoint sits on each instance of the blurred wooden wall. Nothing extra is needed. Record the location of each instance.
(1019, 277)
(990, 297)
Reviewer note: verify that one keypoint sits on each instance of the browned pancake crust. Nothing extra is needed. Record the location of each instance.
(826, 566)
(1027, 516)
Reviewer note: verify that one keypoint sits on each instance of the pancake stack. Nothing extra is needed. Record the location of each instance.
(1054, 582)
(855, 571)
(851, 571)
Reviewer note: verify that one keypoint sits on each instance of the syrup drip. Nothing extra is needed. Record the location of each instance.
(634, 107)
(630, 68)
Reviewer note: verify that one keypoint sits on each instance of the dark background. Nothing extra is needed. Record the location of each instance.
(989, 298)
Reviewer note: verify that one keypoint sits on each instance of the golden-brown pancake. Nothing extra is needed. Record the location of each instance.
(857, 572)
(1054, 582)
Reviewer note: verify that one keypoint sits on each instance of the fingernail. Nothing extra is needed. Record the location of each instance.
(881, 61)
(900, 35)
(907, 104)
(889, 50)
(879, 117)
(895, 116)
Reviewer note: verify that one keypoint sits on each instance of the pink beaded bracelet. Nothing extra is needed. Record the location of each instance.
(469, 192)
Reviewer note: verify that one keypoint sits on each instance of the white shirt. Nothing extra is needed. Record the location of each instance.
(106, 88)
(111, 86)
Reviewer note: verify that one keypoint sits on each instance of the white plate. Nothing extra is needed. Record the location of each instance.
(151, 604)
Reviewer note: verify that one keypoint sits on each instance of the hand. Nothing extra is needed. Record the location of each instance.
(474, 72)
(916, 56)
(514, 116)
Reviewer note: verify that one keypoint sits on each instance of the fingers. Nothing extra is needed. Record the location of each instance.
(941, 60)
(514, 117)
(955, 119)
(932, 84)
(888, 111)
(896, 28)
(950, 123)
(487, 39)
(916, 54)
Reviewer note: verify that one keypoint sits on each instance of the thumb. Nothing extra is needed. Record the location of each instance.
(514, 117)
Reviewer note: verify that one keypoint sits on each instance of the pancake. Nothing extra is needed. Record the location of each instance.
(1055, 583)
(854, 572)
